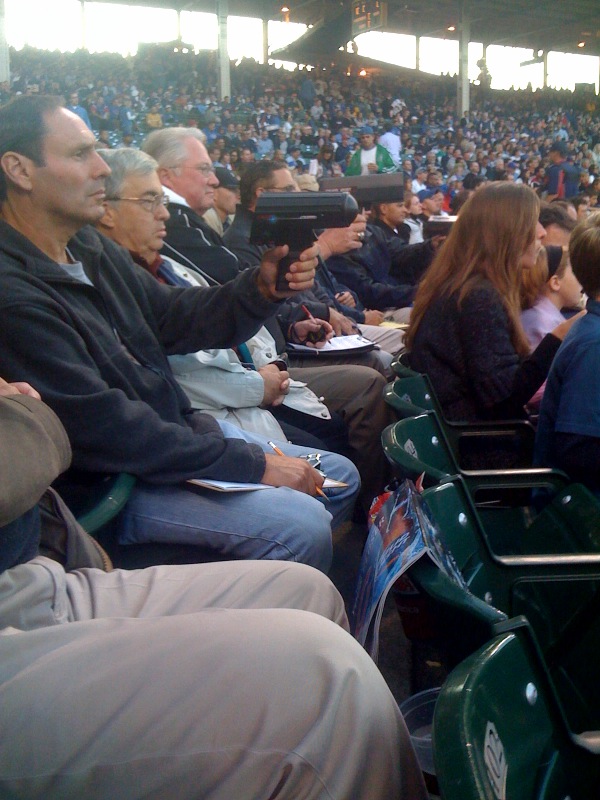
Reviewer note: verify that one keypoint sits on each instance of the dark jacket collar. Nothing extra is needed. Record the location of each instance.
(86, 246)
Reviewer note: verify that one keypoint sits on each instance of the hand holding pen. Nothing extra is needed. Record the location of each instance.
(311, 331)
(295, 473)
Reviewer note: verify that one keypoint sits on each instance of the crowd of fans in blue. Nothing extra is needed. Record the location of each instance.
(299, 116)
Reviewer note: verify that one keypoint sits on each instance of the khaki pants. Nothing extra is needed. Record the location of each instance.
(226, 680)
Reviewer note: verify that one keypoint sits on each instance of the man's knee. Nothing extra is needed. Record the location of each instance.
(308, 533)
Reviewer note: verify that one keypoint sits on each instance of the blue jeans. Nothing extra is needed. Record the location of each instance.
(276, 523)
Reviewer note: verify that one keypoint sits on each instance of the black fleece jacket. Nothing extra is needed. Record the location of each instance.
(98, 356)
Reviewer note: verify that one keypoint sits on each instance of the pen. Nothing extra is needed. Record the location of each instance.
(275, 449)
(313, 336)
(308, 315)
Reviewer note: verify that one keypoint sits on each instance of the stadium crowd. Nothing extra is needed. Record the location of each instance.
(300, 116)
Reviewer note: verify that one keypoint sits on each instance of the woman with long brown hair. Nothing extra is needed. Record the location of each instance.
(465, 331)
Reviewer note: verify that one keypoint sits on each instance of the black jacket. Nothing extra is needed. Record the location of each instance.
(98, 356)
(467, 352)
(384, 272)
(191, 239)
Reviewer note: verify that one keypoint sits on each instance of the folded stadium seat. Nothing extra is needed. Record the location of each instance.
(470, 441)
(554, 580)
(420, 445)
(499, 729)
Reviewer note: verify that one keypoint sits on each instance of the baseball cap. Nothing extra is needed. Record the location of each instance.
(426, 194)
(365, 130)
(226, 178)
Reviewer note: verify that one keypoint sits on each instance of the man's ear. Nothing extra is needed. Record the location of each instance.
(164, 176)
(107, 220)
(18, 169)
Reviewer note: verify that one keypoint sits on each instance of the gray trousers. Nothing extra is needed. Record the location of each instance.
(225, 680)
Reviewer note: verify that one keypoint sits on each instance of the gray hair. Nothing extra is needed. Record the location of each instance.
(123, 162)
(167, 145)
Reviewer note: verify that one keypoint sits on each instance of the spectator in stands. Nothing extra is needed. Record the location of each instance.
(264, 145)
(582, 205)
(327, 167)
(562, 176)
(546, 289)
(411, 231)
(104, 364)
(419, 183)
(557, 223)
(352, 389)
(391, 141)
(431, 201)
(216, 381)
(226, 197)
(344, 311)
(154, 119)
(568, 435)
(78, 109)
(370, 158)
(466, 332)
(145, 654)
(384, 273)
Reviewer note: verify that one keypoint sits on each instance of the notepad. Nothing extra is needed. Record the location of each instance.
(234, 486)
(339, 344)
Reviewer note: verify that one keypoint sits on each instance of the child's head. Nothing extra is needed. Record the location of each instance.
(584, 249)
(551, 277)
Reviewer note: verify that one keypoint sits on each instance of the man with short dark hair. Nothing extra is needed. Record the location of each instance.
(563, 177)
(557, 223)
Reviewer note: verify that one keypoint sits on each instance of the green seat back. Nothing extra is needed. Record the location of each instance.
(416, 445)
(409, 396)
(401, 368)
(561, 600)
(494, 734)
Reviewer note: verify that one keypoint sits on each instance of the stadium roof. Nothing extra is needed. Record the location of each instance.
(537, 24)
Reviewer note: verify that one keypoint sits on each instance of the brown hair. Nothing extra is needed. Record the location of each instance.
(495, 227)
(584, 249)
(533, 280)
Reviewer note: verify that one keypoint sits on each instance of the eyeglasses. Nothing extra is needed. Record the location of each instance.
(291, 187)
(151, 204)
(206, 169)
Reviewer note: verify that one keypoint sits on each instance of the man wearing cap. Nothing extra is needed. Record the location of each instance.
(431, 203)
(370, 158)
(226, 197)
(563, 177)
